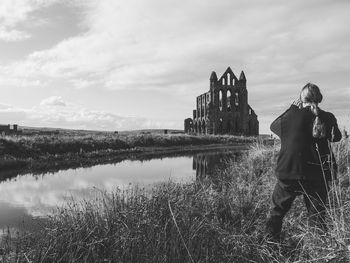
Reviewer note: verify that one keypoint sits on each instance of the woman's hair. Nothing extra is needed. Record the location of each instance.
(311, 93)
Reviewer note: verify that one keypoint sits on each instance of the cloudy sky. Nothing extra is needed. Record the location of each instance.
(116, 65)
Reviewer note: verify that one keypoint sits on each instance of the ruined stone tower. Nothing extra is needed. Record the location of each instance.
(224, 109)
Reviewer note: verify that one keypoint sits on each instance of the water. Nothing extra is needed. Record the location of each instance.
(28, 196)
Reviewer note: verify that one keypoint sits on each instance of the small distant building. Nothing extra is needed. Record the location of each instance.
(345, 134)
(188, 125)
(224, 109)
(9, 129)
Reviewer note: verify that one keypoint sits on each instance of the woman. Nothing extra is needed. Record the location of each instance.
(305, 164)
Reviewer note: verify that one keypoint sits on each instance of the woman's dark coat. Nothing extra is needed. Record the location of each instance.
(303, 157)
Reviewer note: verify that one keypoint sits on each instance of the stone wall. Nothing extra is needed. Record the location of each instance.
(224, 109)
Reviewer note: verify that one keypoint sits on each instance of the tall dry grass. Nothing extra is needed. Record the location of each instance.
(218, 220)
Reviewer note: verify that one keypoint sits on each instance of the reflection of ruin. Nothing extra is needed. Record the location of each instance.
(203, 165)
(206, 164)
(224, 109)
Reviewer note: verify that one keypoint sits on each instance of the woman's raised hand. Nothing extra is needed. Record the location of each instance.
(297, 103)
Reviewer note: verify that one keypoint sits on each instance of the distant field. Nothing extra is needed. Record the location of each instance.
(43, 130)
(34, 145)
(76, 147)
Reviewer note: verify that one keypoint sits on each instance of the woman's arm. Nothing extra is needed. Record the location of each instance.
(276, 125)
(335, 135)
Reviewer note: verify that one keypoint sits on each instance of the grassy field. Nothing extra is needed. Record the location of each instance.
(40, 152)
(37, 145)
(219, 220)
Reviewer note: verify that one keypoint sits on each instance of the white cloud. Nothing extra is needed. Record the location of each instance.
(56, 113)
(82, 83)
(153, 45)
(14, 13)
(162, 45)
(12, 35)
(53, 101)
(5, 106)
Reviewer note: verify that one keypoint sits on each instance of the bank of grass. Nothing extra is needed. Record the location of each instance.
(32, 146)
(43, 151)
(201, 221)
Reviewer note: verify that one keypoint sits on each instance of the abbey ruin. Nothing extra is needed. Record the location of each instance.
(224, 109)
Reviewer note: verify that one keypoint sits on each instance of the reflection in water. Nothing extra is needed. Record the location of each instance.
(207, 165)
(33, 196)
(40, 195)
(11, 215)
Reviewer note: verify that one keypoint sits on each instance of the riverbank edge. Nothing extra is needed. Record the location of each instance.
(53, 163)
(206, 221)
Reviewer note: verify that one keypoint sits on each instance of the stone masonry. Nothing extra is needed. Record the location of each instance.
(224, 109)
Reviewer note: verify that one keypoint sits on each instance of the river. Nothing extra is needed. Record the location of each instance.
(29, 196)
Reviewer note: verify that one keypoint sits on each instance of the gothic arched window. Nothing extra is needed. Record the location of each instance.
(228, 101)
(220, 100)
(221, 126)
(208, 98)
(236, 99)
